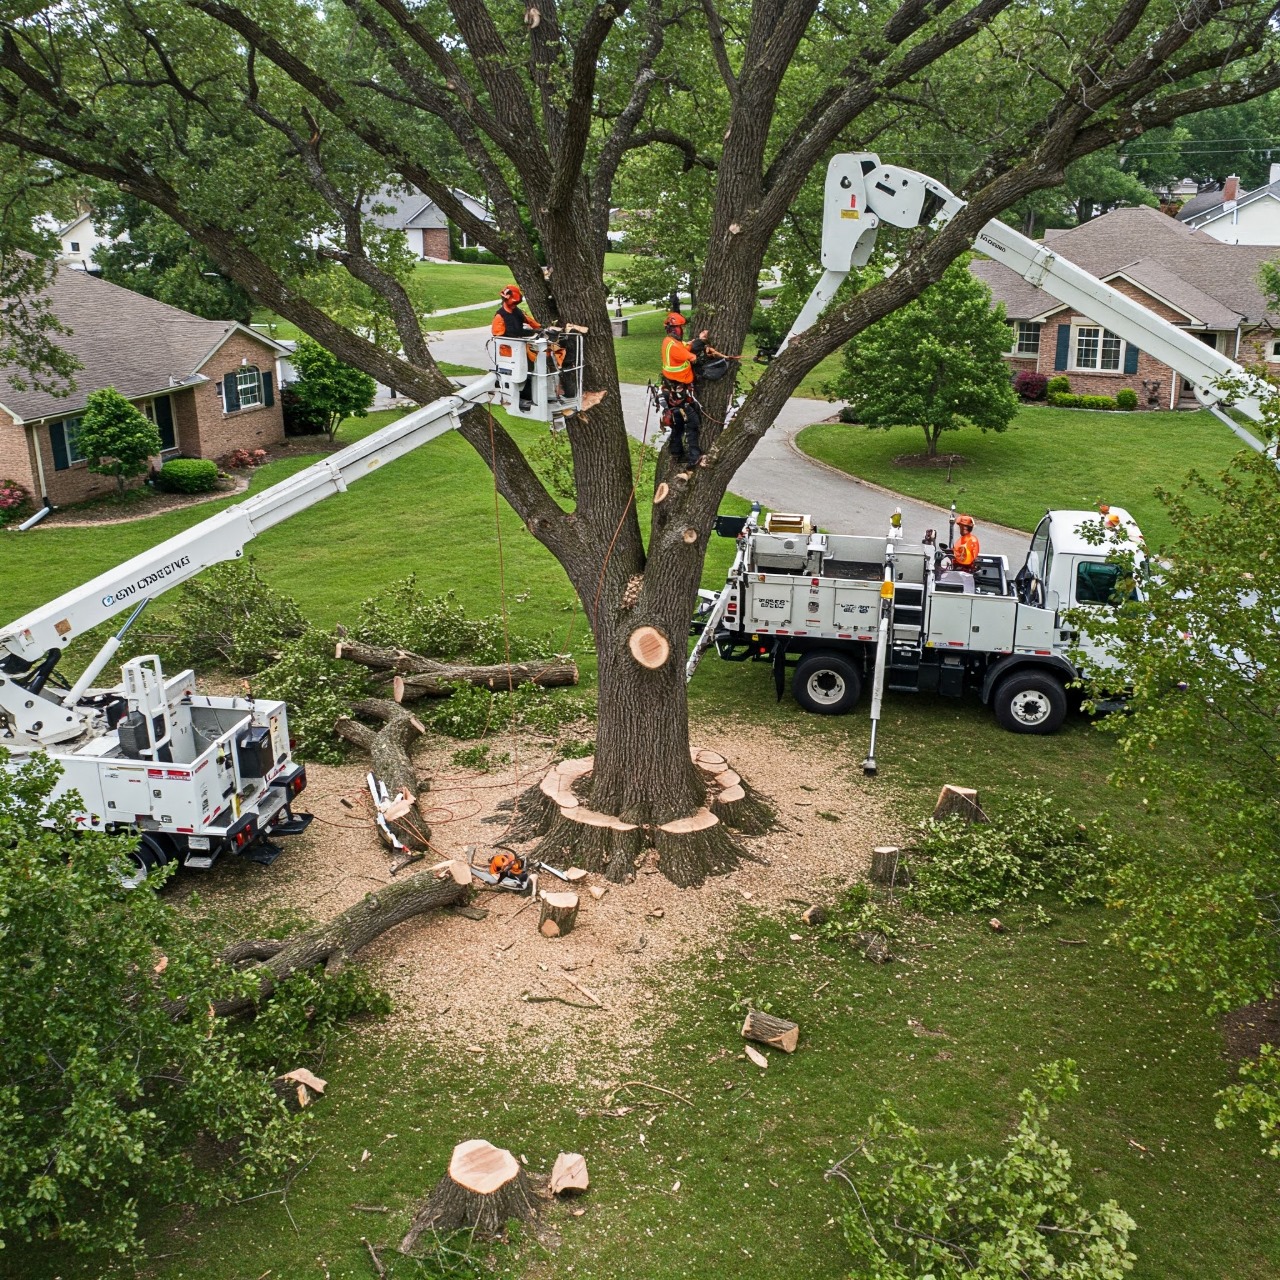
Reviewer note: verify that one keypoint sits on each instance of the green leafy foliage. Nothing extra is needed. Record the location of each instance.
(1200, 661)
(105, 1094)
(188, 475)
(1257, 1098)
(1032, 846)
(552, 459)
(1059, 385)
(936, 363)
(1127, 399)
(326, 386)
(228, 617)
(116, 437)
(1010, 1217)
(481, 757)
(859, 912)
(1065, 400)
(471, 712)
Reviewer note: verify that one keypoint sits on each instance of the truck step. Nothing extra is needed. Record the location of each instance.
(294, 825)
(199, 861)
(263, 852)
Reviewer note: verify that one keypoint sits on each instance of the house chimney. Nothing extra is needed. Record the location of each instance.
(1275, 173)
(1230, 189)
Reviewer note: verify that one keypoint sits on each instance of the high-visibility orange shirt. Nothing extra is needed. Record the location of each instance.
(964, 555)
(677, 361)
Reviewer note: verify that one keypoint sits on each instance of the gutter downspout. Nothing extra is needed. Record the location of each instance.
(33, 444)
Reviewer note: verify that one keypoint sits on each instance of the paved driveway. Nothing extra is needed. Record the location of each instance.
(780, 477)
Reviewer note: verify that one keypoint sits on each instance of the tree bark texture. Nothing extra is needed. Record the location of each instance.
(764, 1028)
(419, 677)
(392, 768)
(557, 914)
(484, 1189)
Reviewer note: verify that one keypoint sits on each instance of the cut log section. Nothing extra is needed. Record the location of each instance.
(763, 1028)
(888, 868)
(421, 677)
(814, 916)
(569, 1173)
(396, 785)
(484, 1189)
(649, 647)
(961, 802)
(557, 914)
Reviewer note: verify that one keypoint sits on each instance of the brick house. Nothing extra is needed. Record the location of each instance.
(208, 385)
(1184, 275)
(423, 222)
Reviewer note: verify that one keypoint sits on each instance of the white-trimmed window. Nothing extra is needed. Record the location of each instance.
(65, 437)
(1026, 338)
(1273, 350)
(249, 386)
(1097, 348)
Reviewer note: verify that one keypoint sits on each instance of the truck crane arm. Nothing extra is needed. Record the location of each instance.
(31, 646)
(861, 194)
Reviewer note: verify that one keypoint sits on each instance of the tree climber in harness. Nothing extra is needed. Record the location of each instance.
(510, 322)
(679, 365)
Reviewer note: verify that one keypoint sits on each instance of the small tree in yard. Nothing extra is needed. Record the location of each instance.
(329, 387)
(116, 437)
(936, 363)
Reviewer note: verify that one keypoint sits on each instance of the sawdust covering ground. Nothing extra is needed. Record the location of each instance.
(459, 983)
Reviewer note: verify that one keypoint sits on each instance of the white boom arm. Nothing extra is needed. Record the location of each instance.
(38, 636)
(861, 193)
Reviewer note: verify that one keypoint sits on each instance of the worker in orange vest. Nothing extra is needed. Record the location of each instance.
(677, 388)
(964, 555)
(510, 322)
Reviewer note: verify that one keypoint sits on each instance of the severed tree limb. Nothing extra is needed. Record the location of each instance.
(421, 677)
(335, 942)
(392, 768)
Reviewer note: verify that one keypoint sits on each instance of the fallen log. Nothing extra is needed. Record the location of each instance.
(334, 943)
(484, 1189)
(766, 1029)
(397, 785)
(419, 677)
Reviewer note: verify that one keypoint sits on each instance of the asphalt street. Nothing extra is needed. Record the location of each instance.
(777, 474)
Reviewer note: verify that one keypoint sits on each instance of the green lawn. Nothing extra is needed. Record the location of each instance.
(1047, 458)
(749, 1158)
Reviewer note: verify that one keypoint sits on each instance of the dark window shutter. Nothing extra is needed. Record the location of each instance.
(59, 440)
(1131, 354)
(1063, 355)
(268, 388)
(230, 394)
(164, 422)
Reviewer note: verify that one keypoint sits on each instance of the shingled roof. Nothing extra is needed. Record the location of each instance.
(1213, 284)
(123, 340)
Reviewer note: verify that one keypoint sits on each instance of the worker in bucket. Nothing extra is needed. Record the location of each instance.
(683, 416)
(964, 555)
(510, 322)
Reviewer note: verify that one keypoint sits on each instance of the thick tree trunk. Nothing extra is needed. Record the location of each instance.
(484, 1189)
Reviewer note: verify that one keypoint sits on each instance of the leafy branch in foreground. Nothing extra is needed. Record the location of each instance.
(1017, 1216)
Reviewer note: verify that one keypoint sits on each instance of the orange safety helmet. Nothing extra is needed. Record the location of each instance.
(964, 522)
(675, 320)
(512, 293)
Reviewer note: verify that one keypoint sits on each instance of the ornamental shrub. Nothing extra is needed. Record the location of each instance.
(188, 475)
(1127, 399)
(1059, 385)
(1030, 385)
(13, 502)
(300, 417)
(1063, 401)
(116, 437)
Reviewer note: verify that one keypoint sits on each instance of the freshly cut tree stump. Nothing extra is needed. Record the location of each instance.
(887, 867)
(959, 802)
(569, 1173)
(814, 916)
(766, 1029)
(484, 1189)
(557, 914)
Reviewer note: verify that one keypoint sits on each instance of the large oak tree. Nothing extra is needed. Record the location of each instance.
(255, 125)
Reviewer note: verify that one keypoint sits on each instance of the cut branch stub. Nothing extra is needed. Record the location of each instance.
(569, 1173)
(484, 1189)
(649, 647)
(660, 493)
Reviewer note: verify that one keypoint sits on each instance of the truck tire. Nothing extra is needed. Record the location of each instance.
(1030, 702)
(826, 683)
(144, 859)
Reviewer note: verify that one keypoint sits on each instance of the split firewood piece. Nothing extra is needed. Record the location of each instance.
(649, 647)
(960, 802)
(300, 1075)
(756, 1056)
(814, 916)
(569, 1173)
(888, 868)
(558, 914)
(704, 758)
(484, 1189)
(597, 891)
(766, 1029)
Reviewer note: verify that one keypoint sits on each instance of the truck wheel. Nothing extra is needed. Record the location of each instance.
(144, 859)
(827, 683)
(1030, 702)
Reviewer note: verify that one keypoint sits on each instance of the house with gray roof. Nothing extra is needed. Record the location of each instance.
(405, 208)
(210, 386)
(1188, 277)
(1238, 217)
